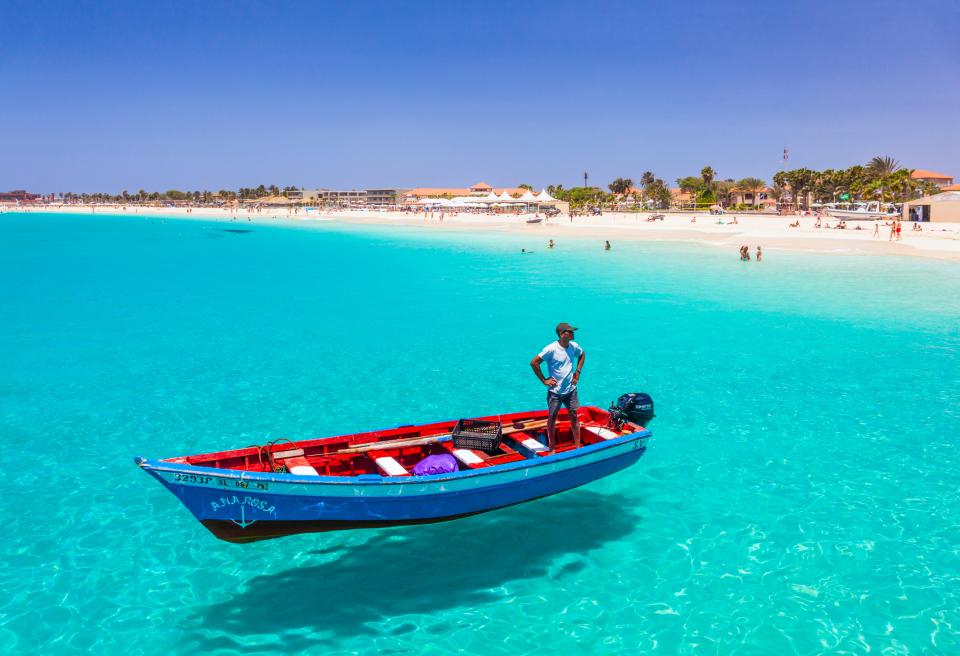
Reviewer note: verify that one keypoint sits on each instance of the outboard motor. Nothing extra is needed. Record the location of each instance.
(636, 407)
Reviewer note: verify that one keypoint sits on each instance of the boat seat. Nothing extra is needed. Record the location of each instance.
(533, 445)
(467, 457)
(391, 467)
(298, 465)
(601, 432)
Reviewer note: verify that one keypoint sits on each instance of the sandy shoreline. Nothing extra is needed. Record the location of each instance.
(937, 240)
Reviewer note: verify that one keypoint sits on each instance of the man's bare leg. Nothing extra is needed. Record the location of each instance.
(575, 429)
(551, 432)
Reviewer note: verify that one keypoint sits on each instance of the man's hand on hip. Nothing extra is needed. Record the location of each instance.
(550, 382)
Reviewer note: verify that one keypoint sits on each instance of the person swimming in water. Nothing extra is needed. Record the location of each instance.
(606, 245)
(550, 244)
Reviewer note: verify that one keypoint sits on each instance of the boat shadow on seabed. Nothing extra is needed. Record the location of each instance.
(419, 569)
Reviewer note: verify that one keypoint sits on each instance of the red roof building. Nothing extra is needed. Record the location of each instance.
(939, 179)
(18, 196)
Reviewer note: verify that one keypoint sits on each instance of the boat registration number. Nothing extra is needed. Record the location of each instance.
(192, 478)
(199, 479)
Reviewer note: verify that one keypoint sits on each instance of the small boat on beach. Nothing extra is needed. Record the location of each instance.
(538, 219)
(862, 211)
(399, 476)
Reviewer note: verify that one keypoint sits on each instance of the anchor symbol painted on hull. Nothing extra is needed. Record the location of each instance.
(243, 523)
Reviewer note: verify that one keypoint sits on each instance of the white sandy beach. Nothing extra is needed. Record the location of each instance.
(937, 240)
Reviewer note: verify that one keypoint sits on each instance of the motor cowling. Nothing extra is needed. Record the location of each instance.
(636, 407)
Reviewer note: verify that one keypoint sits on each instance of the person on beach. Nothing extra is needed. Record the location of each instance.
(606, 245)
(876, 228)
(759, 253)
(550, 244)
(899, 228)
(564, 359)
(893, 230)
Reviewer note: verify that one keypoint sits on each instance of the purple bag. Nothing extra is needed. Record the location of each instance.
(443, 463)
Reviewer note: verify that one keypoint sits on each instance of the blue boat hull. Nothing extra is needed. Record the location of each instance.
(247, 506)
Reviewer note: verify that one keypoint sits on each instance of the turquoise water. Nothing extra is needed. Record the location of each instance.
(801, 495)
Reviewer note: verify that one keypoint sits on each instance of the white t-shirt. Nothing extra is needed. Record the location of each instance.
(561, 363)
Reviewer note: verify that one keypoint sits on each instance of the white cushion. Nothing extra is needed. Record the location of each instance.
(467, 457)
(600, 431)
(534, 445)
(391, 467)
(303, 470)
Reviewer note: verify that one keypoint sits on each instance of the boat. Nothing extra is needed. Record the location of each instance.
(535, 220)
(379, 479)
(862, 211)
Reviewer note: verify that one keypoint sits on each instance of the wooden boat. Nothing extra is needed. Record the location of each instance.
(366, 480)
(535, 220)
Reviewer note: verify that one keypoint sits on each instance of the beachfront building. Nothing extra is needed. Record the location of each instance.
(386, 197)
(754, 198)
(18, 196)
(681, 199)
(938, 208)
(939, 179)
(342, 198)
(479, 189)
(304, 195)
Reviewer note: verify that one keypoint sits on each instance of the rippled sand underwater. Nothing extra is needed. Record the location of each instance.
(800, 495)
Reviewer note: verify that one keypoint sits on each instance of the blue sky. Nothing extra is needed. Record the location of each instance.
(106, 96)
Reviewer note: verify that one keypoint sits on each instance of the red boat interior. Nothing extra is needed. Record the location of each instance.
(396, 451)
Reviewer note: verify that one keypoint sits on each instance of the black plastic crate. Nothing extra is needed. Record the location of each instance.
(479, 434)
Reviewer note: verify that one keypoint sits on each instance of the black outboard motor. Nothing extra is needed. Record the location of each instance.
(636, 408)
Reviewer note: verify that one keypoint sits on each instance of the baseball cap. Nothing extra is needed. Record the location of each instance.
(564, 326)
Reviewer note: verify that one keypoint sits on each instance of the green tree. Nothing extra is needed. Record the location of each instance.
(647, 179)
(690, 184)
(620, 186)
(752, 186)
(723, 190)
(525, 186)
(880, 169)
(707, 174)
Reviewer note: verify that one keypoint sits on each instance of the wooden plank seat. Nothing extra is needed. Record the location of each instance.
(528, 444)
(389, 466)
(297, 465)
(468, 457)
(601, 432)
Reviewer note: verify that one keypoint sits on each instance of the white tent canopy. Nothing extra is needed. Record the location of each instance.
(544, 196)
(529, 197)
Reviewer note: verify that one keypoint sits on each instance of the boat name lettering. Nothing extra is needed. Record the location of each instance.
(233, 500)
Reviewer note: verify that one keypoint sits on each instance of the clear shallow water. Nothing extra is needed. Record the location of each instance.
(801, 494)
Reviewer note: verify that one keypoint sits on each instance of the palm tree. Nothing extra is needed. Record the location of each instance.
(647, 178)
(707, 173)
(752, 186)
(621, 186)
(882, 168)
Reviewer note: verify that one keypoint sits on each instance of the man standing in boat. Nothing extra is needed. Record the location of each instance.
(564, 359)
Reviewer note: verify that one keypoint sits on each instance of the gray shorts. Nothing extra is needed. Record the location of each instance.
(555, 401)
